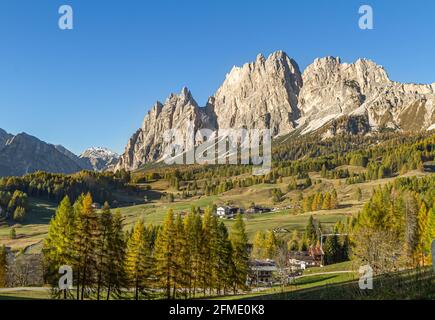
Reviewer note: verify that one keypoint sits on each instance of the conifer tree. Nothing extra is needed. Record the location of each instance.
(239, 241)
(181, 252)
(116, 277)
(225, 263)
(421, 234)
(326, 205)
(85, 242)
(188, 262)
(164, 250)
(138, 264)
(206, 250)
(215, 251)
(271, 245)
(358, 194)
(293, 244)
(334, 199)
(60, 240)
(3, 266)
(258, 249)
(310, 231)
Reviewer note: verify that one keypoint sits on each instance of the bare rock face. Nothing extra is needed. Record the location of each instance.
(178, 112)
(333, 89)
(98, 158)
(334, 97)
(24, 154)
(4, 137)
(261, 94)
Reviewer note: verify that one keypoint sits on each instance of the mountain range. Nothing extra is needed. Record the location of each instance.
(22, 153)
(329, 96)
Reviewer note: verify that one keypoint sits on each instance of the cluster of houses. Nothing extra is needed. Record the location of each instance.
(229, 212)
(263, 272)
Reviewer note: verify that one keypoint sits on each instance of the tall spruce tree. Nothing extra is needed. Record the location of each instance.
(138, 264)
(3, 266)
(166, 263)
(225, 264)
(58, 246)
(239, 241)
(115, 275)
(85, 242)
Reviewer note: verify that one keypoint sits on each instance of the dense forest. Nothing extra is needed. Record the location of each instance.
(194, 254)
(184, 258)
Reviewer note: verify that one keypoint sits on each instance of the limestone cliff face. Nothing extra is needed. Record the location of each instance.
(272, 93)
(98, 158)
(261, 94)
(333, 89)
(178, 112)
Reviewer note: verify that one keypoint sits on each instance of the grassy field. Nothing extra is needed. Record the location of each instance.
(342, 266)
(21, 294)
(34, 228)
(410, 284)
(298, 285)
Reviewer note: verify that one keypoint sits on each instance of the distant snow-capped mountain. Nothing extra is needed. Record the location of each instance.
(99, 158)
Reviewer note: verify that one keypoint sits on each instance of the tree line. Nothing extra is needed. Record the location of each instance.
(186, 257)
(55, 187)
(397, 225)
(14, 205)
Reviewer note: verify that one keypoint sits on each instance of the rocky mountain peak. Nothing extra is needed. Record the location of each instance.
(260, 94)
(23, 153)
(99, 158)
(273, 93)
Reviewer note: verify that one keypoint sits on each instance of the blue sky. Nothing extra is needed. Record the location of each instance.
(92, 86)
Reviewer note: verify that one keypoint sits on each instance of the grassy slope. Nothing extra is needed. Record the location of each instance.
(14, 294)
(33, 229)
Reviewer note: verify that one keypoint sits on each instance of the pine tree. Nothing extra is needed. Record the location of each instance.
(138, 263)
(358, 194)
(85, 242)
(106, 257)
(180, 254)
(323, 172)
(310, 231)
(164, 250)
(293, 244)
(258, 249)
(13, 233)
(334, 199)
(215, 251)
(421, 234)
(3, 266)
(303, 244)
(430, 236)
(189, 252)
(206, 251)
(194, 236)
(271, 245)
(332, 250)
(116, 277)
(19, 214)
(326, 205)
(225, 263)
(239, 241)
(60, 240)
